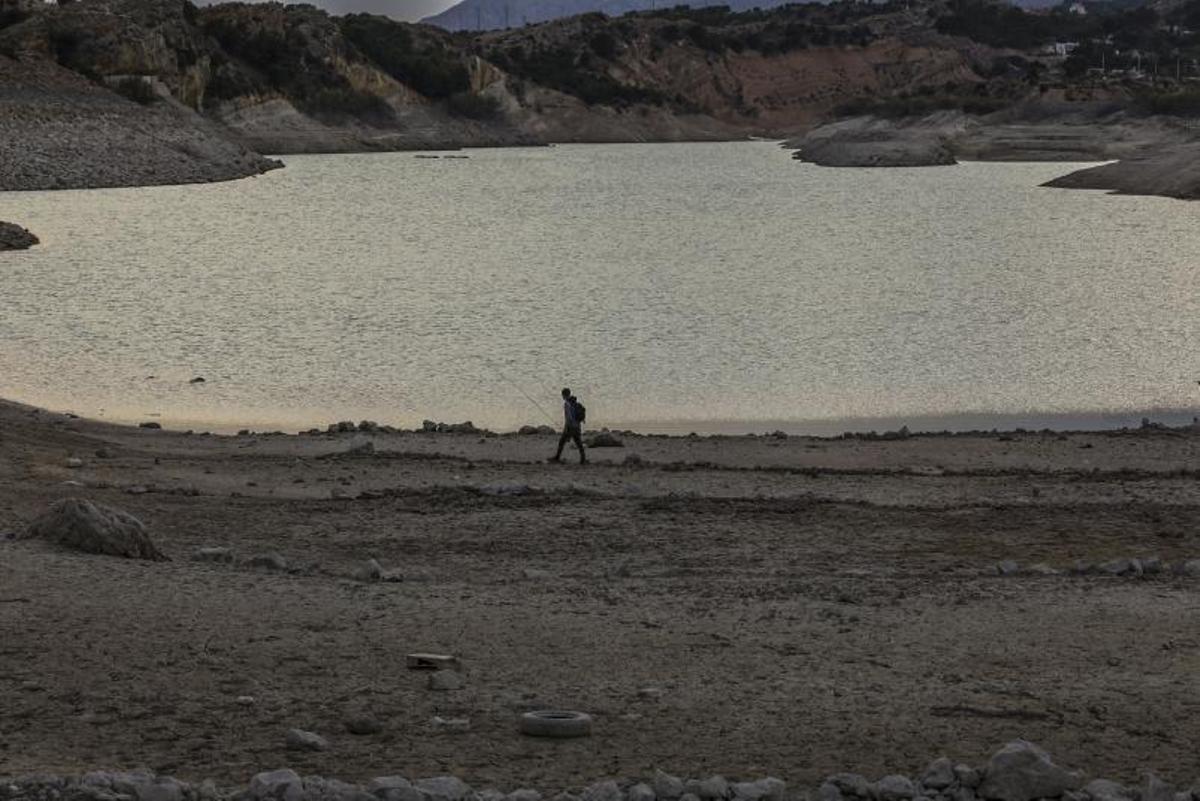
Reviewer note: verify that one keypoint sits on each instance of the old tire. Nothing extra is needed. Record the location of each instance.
(556, 723)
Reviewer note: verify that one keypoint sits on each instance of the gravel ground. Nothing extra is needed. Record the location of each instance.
(744, 606)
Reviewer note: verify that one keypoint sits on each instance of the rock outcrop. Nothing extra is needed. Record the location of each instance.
(81, 525)
(14, 237)
(1170, 172)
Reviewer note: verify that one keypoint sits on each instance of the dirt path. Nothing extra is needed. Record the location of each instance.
(804, 606)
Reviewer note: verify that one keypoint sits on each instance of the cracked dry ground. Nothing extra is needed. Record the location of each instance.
(806, 606)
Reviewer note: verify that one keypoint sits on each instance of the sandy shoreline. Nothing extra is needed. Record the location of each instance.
(805, 606)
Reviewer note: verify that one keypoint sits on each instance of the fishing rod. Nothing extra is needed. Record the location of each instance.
(518, 388)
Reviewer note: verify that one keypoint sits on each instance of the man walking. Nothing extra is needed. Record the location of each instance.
(573, 415)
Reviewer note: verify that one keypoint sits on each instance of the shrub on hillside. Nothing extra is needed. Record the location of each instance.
(473, 106)
(429, 68)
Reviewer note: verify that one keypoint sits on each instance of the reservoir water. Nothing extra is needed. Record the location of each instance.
(705, 287)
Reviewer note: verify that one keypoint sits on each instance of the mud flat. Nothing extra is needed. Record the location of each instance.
(749, 606)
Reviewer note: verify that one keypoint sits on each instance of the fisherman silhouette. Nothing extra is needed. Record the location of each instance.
(573, 417)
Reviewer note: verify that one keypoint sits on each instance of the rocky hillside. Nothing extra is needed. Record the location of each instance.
(201, 90)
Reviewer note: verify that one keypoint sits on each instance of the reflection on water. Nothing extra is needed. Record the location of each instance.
(681, 287)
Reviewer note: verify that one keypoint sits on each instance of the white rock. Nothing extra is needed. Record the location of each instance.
(276, 785)
(667, 786)
(300, 740)
(74, 463)
(524, 794)
(451, 725)
(162, 788)
(895, 788)
(1022, 772)
(641, 792)
(1155, 789)
(1007, 568)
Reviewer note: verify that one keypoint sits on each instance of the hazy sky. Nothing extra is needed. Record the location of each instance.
(411, 10)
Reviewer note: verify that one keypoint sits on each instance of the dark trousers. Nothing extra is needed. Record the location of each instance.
(571, 433)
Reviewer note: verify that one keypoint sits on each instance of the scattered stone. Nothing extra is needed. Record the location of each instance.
(394, 788)
(300, 740)
(443, 788)
(641, 792)
(666, 786)
(221, 555)
(1152, 565)
(268, 561)
(1041, 569)
(1007, 568)
(1022, 772)
(650, 693)
(93, 528)
(197, 380)
(939, 775)
(371, 570)
(1116, 567)
(451, 725)
(423, 661)
(828, 792)
(1189, 568)
(851, 784)
(523, 795)
(276, 785)
(153, 426)
(363, 725)
(245, 700)
(74, 462)
(895, 788)
(446, 680)
(768, 789)
(602, 791)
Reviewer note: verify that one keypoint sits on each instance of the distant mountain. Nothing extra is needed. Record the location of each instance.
(485, 15)
(404, 10)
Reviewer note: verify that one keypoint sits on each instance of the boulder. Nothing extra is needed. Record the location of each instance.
(768, 789)
(1021, 771)
(276, 785)
(967, 776)
(1155, 789)
(939, 775)
(851, 784)
(394, 788)
(667, 786)
(602, 791)
(829, 792)
(1104, 790)
(524, 794)
(93, 528)
(641, 792)
(14, 237)
(710, 789)
(895, 788)
(443, 788)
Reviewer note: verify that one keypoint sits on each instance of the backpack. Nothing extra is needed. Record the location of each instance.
(580, 410)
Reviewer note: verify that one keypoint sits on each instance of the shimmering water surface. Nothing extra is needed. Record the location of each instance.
(675, 287)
